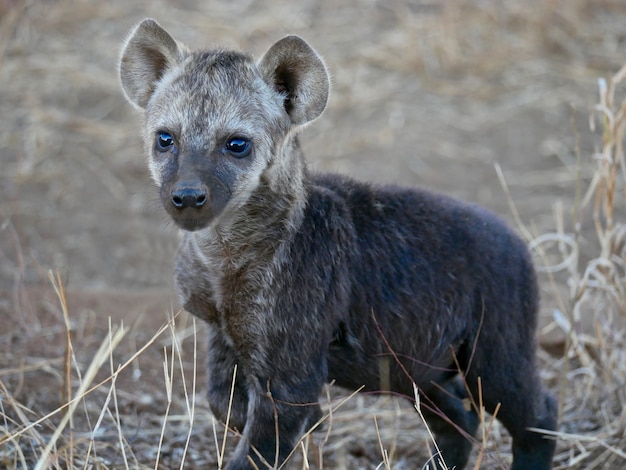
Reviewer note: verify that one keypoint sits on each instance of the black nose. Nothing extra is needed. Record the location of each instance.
(183, 198)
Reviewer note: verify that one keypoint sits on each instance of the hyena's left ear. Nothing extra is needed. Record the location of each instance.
(146, 56)
(293, 68)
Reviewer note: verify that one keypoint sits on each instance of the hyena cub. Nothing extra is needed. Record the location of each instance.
(305, 278)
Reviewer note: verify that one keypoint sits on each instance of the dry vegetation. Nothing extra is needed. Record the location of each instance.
(107, 373)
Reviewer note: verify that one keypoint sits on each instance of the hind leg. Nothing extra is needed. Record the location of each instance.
(532, 449)
(516, 387)
(453, 425)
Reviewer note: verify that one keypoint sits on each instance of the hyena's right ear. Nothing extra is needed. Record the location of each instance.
(294, 69)
(147, 54)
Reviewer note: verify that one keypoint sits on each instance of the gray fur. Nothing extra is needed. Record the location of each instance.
(304, 278)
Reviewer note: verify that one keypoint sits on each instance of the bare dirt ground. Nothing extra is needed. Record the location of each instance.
(437, 94)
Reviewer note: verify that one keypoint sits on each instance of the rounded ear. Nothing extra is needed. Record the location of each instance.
(295, 70)
(146, 55)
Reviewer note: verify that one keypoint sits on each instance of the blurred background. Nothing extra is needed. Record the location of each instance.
(424, 93)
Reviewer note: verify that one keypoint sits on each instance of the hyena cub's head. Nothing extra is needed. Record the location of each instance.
(216, 121)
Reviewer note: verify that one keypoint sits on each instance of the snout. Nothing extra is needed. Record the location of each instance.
(189, 204)
(189, 197)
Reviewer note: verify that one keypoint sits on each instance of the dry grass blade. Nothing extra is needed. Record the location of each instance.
(485, 429)
(168, 374)
(383, 452)
(438, 456)
(518, 220)
(191, 409)
(113, 389)
(106, 348)
(230, 404)
(580, 438)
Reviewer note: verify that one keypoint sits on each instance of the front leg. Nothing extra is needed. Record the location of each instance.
(222, 361)
(280, 411)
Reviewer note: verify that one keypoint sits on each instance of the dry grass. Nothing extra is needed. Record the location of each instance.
(80, 392)
(591, 375)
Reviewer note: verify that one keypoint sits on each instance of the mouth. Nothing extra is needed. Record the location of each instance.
(191, 220)
(191, 224)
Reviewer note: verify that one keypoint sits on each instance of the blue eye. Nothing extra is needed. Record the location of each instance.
(239, 147)
(164, 141)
